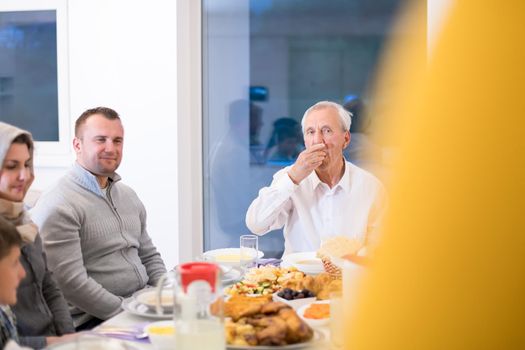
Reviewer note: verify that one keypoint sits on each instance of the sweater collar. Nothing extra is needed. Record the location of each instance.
(89, 181)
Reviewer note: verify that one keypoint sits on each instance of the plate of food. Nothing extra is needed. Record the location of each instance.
(314, 343)
(148, 297)
(316, 314)
(307, 262)
(266, 280)
(256, 322)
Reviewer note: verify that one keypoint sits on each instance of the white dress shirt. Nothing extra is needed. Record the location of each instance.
(311, 212)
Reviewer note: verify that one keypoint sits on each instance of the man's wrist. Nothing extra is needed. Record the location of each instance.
(293, 177)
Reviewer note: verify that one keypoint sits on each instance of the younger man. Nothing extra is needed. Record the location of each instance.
(94, 226)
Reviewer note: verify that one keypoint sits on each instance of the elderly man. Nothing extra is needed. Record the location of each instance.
(321, 195)
(94, 226)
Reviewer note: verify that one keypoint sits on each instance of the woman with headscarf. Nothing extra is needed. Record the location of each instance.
(41, 311)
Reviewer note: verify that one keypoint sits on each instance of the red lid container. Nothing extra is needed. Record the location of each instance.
(193, 271)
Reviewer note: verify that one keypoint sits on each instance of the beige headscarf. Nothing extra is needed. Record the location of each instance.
(14, 211)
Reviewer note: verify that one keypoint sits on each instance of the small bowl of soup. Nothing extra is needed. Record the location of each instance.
(161, 334)
(228, 256)
(149, 298)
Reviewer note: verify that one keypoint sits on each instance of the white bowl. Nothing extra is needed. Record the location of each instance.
(314, 323)
(225, 269)
(307, 262)
(161, 334)
(227, 256)
(148, 297)
(296, 303)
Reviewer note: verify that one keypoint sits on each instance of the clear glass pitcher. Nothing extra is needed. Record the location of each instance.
(196, 286)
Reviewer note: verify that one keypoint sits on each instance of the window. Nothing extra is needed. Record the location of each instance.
(28, 80)
(33, 73)
(265, 63)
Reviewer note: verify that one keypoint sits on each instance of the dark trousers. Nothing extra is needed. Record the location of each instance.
(86, 326)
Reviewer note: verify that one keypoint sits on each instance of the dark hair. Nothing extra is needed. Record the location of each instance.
(9, 237)
(24, 139)
(106, 112)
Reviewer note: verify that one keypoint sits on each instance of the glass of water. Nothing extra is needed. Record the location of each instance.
(249, 250)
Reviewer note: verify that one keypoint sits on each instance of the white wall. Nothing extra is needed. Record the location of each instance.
(123, 54)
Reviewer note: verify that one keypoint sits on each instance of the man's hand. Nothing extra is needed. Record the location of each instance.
(308, 161)
(59, 339)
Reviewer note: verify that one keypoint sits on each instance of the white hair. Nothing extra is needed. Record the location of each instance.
(345, 117)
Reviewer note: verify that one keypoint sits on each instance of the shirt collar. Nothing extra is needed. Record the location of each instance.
(315, 180)
(344, 182)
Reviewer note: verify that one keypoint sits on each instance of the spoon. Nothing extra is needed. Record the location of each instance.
(111, 330)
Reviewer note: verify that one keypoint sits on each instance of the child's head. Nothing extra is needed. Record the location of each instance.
(11, 270)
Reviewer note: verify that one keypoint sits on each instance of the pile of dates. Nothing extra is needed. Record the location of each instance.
(290, 294)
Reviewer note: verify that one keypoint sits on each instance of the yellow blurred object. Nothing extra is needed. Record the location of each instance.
(161, 334)
(450, 270)
(162, 330)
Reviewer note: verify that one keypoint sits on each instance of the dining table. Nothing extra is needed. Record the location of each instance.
(118, 325)
(124, 322)
(129, 325)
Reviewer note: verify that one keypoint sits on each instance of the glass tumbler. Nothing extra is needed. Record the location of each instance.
(249, 245)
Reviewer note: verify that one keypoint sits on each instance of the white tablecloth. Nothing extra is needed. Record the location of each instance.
(128, 320)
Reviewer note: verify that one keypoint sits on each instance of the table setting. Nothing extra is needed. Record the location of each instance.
(242, 300)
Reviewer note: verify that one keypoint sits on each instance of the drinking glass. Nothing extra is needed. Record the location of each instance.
(343, 304)
(336, 321)
(249, 250)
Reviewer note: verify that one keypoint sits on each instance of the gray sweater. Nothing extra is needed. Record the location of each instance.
(97, 245)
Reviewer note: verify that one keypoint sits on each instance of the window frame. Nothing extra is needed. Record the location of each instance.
(53, 153)
(189, 129)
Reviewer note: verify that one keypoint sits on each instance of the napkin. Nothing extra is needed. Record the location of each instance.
(124, 333)
(269, 261)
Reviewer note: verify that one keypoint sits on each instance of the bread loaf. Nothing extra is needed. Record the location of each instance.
(337, 247)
